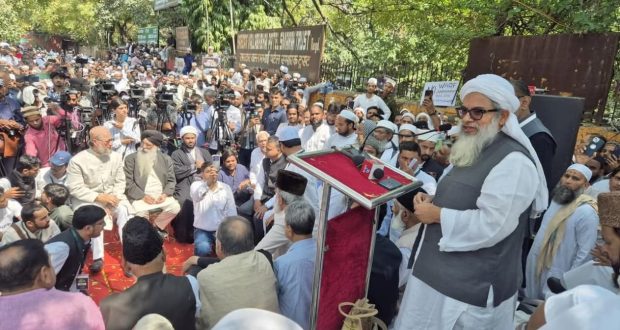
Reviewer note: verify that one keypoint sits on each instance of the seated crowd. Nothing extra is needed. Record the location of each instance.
(251, 214)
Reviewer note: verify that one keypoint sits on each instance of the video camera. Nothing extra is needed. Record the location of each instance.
(81, 60)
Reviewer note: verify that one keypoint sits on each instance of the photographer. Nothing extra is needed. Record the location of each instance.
(59, 80)
(42, 139)
(197, 115)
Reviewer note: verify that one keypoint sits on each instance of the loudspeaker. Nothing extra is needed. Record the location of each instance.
(562, 116)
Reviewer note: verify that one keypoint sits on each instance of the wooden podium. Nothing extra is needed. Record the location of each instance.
(345, 244)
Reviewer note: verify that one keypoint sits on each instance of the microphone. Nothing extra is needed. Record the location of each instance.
(367, 166)
(353, 155)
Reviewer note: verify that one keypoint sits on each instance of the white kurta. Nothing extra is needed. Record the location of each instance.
(312, 140)
(363, 101)
(589, 273)
(339, 141)
(585, 307)
(579, 239)
(505, 194)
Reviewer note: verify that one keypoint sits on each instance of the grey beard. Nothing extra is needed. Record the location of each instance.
(563, 195)
(145, 161)
(468, 147)
(316, 125)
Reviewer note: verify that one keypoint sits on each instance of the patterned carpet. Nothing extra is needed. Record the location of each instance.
(112, 279)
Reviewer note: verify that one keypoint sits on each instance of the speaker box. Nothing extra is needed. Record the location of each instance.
(562, 116)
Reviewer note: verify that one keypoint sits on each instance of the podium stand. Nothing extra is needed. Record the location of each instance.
(345, 244)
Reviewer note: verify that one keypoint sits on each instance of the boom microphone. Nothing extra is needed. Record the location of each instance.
(441, 128)
(353, 155)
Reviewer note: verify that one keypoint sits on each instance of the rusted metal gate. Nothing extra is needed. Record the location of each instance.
(565, 64)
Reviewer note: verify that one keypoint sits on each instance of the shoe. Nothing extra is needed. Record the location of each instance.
(555, 285)
(162, 233)
(96, 266)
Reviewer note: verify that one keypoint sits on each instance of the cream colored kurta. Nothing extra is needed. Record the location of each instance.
(245, 280)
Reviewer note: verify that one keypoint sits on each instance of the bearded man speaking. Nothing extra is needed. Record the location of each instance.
(468, 269)
(150, 180)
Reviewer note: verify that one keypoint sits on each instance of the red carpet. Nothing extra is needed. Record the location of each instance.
(112, 279)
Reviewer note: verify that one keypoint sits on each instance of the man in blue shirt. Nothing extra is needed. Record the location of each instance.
(295, 269)
(277, 114)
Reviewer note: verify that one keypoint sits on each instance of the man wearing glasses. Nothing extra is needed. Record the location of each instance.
(468, 267)
(96, 176)
(370, 99)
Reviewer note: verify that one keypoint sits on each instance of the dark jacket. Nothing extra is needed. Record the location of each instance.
(184, 171)
(135, 183)
(27, 184)
(164, 294)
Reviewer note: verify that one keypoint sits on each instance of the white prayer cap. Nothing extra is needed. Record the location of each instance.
(587, 173)
(318, 104)
(283, 69)
(348, 114)
(257, 319)
(153, 322)
(429, 135)
(408, 114)
(296, 75)
(387, 124)
(429, 121)
(372, 81)
(246, 71)
(408, 127)
(5, 184)
(360, 109)
(237, 94)
(390, 81)
(496, 88)
(231, 70)
(188, 129)
(243, 66)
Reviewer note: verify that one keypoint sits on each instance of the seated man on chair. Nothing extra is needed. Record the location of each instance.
(150, 180)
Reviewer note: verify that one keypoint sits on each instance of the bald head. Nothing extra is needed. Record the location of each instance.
(235, 236)
(99, 132)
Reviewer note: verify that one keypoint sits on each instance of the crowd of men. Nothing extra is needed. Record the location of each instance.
(203, 155)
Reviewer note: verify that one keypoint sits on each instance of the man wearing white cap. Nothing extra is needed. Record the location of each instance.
(567, 233)
(428, 141)
(468, 268)
(389, 97)
(315, 135)
(345, 136)
(187, 160)
(370, 99)
(233, 113)
(384, 133)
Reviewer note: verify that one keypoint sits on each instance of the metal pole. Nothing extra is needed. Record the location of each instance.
(373, 236)
(320, 251)
(232, 27)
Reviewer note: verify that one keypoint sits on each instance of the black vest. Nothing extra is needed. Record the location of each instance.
(536, 126)
(75, 260)
(164, 294)
(271, 173)
(467, 275)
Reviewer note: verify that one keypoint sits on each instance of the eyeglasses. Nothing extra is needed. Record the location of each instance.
(474, 113)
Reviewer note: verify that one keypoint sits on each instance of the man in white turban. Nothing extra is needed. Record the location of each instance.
(567, 233)
(468, 268)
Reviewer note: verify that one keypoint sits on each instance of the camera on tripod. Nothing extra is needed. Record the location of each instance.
(136, 92)
(81, 60)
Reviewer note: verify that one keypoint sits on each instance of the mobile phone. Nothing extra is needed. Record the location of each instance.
(350, 104)
(428, 93)
(389, 184)
(595, 145)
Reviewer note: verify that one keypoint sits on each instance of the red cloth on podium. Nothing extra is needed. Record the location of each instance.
(342, 169)
(344, 265)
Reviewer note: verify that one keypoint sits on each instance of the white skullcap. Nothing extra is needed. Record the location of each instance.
(296, 75)
(5, 184)
(390, 81)
(237, 94)
(188, 129)
(283, 69)
(256, 319)
(246, 71)
(372, 81)
(231, 70)
(288, 133)
(243, 66)
(318, 104)
(360, 109)
(408, 114)
(153, 322)
(496, 88)
(500, 91)
(387, 124)
(348, 114)
(429, 121)
(587, 173)
(408, 127)
(429, 135)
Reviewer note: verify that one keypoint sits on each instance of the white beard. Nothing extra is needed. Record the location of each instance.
(468, 147)
(145, 160)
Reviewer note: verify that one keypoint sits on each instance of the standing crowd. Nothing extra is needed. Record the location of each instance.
(202, 156)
